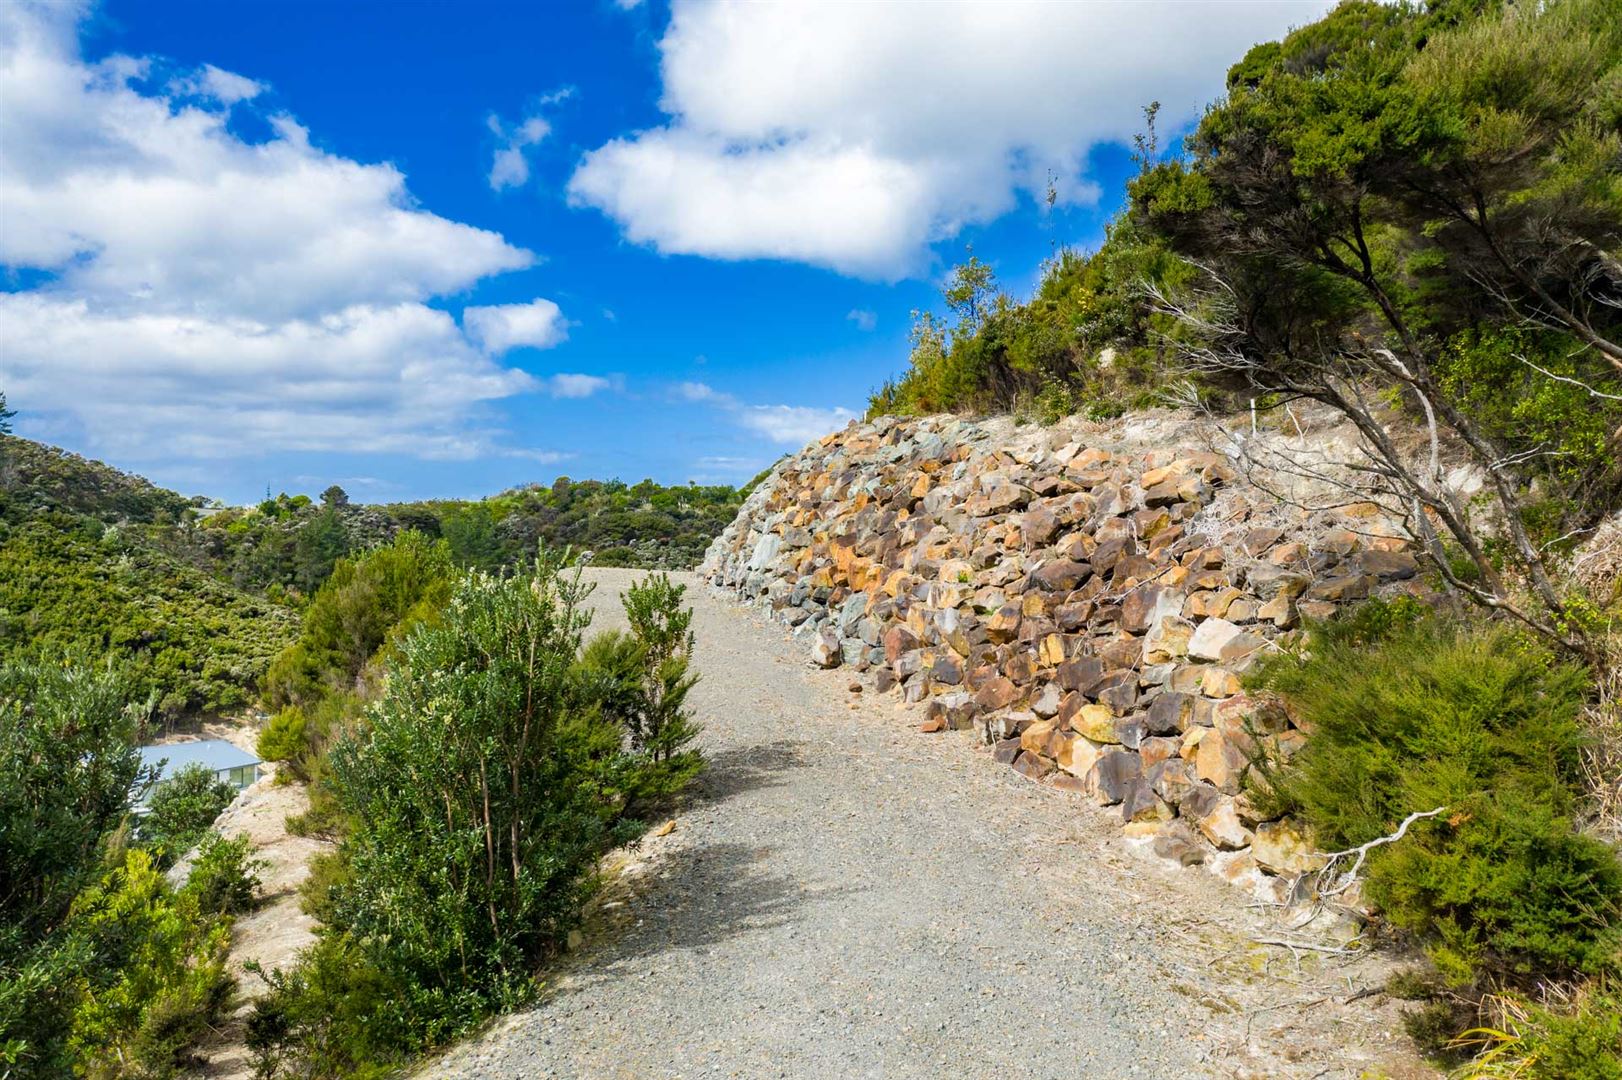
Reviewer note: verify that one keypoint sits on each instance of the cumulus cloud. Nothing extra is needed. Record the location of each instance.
(538, 324)
(571, 385)
(510, 167)
(865, 320)
(225, 87)
(789, 425)
(695, 391)
(397, 379)
(793, 425)
(206, 295)
(852, 136)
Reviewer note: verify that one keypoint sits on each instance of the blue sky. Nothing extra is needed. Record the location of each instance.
(436, 249)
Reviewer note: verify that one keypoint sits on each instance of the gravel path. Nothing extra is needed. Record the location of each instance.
(845, 897)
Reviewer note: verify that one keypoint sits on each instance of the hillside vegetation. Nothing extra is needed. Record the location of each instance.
(89, 567)
(195, 600)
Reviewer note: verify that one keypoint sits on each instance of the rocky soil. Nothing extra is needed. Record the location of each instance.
(844, 896)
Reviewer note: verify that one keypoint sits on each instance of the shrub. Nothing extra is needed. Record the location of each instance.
(190, 642)
(158, 980)
(641, 681)
(479, 788)
(366, 601)
(223, 879)
(480, 792)
(181, 809)
(67, 767)
(1577, 1039)
(663, 632)
(283, 739)
(1409, 714)
(335, 1014)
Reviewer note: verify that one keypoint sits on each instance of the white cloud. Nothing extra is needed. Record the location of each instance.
(538, 324)
(695, 391)
(790, 425)
(510, 167)
(210, 296)
(865, 320)
(793, 425)
(571, 385)
(219, 85)
(852, 136)
(397, 379)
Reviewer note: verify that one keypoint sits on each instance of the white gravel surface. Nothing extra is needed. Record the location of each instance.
(845, 897)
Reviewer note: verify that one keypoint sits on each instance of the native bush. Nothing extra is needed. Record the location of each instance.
(479, 791)
(1575, 1036)
(224, 878)
(192, 643)
(335, 1014)
(1412, 713)
(480, 788)
(158, 980)
(662, 726)
(284, 738)
(68, 765)
(354, 613)
(181, 809)
(641, 679)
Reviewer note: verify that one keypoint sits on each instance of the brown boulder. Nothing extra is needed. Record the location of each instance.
(1061, 575)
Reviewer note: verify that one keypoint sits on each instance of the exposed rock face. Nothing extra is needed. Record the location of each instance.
(1087, 597)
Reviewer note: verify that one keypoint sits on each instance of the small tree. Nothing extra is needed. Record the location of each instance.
(68, 768)
(970, 290)
(5, 415)
(1298, 204)
(482, 791)
(320, 543)
(181, 809)
(335, 496)
(663, 726)
(641, 681)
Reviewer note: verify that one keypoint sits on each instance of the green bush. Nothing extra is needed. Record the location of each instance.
(158, 981)
(68, 764)
(479, 792)
(1409, 714)
(1049, 352)
(1577, 1039)
(364, 602)
(335, 1014)
(181, 809)
(223, 878)
(192, 643)
(480, 788)
(283, 739)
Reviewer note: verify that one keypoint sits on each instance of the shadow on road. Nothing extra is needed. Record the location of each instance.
(736, 770)
(699, 898)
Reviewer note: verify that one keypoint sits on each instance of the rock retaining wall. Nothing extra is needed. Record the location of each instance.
(1087, 597)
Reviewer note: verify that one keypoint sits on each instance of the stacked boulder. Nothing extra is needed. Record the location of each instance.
(1086, 599)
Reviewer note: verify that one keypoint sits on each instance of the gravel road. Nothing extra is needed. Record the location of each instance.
(846, 897)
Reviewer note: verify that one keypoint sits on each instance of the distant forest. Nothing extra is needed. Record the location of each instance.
(197, 597)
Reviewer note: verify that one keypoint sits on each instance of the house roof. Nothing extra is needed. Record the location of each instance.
(216, 754)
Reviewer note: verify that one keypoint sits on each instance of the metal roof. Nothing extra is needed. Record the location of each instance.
(217, 754)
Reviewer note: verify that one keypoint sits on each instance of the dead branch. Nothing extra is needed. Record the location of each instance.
(1333, 858)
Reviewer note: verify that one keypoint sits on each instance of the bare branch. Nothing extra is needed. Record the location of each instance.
(1345, 880)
